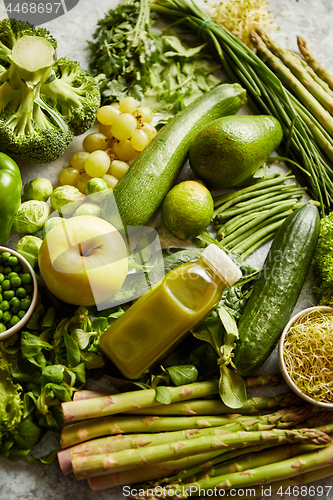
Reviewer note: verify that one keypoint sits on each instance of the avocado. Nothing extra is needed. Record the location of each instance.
(229, 150)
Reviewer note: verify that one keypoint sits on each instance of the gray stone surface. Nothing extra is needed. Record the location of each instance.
(309, 18)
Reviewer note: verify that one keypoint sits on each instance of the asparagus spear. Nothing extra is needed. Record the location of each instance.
(298, 70)
(104, 426)
(114, 444)
(216, 407)
(285, 469)
(84, 394)
(95, 465)
(258, 459)
(148, 473)
(289, 80)
(118, 403)
(295, 483)
(315, 65)
(261, 380)
(281, 419)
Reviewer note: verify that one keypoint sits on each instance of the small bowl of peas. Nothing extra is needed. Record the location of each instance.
(18, 292)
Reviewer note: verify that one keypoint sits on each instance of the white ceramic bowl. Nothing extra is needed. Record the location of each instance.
(27, 268)
(286, 376)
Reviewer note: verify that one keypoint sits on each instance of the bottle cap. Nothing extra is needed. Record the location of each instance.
(222, 264)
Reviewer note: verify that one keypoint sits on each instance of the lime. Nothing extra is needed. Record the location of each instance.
(187, 209)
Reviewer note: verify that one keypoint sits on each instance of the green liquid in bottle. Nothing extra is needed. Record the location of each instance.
(161, 318)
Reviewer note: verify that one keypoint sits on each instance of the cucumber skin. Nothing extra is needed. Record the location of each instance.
(152, 174)
(275, 294)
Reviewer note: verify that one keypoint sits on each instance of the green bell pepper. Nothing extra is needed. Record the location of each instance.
(10, 194)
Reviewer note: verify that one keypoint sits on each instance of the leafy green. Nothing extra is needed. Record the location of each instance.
(221, 332)
(129, 58)
(163, 395)
(184, 374)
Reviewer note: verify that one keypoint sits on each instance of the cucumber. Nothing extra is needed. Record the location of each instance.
(276, 292)
(143, 188)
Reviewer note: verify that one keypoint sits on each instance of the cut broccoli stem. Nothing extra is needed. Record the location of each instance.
(32, 58)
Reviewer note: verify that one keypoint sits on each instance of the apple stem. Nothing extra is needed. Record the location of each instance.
(90, 251)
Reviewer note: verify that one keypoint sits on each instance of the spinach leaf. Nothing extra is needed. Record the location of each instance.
(181, 375)
(163, 395)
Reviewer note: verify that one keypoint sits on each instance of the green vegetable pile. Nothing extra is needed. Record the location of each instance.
(324, 262)
(40, 367)
(307, 139)
(43, 102)
(128, 58)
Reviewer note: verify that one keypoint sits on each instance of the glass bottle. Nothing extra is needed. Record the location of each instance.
(161, 318)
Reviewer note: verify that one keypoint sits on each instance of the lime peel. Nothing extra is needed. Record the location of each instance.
(308, 355)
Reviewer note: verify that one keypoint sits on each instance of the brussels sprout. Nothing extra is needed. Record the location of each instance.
(29, 244)
(88, 209)
(66, 195)
(97, 189)
(38, 189)
(31, 216)
(28, 247)
(50, 223)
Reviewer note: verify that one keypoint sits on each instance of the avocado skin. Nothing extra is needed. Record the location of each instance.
(227, 151)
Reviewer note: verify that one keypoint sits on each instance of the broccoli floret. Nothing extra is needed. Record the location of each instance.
(74, 94)
(43, 103)
(324, 261)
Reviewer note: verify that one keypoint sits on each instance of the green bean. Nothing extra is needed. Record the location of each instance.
(254, 187)
(243, 236)
(258, 235)
(284, 189)
(264, 216)
(263, 204)
(249, 251)
(233, 224)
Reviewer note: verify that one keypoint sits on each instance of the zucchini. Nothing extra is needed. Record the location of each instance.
(143, 188)
(276, 292)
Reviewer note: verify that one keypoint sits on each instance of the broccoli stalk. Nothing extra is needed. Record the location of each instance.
(43, 103)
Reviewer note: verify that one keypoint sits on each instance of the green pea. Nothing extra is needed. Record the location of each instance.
(6, 317)
(1, 314)
(11, 275)
(1, 297)
(16, 309)
(6, 285)
(4, 306)
(2, 328)
(21, 293)
(1, 268)
(26, 278)
(7, 270)
(29, 288)
(15, 281)
(13, 261)
(15, 302)
(14, 320)
(25, 304)
(1, 277)
(8, 294)
(21, 313)
(18, 269)
(1, 289)
(5, 256)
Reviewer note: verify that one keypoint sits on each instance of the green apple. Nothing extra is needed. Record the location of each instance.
(83, 260)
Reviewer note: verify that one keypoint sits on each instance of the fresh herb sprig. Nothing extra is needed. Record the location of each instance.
(155, 67)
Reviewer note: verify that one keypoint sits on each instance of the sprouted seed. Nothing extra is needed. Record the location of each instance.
(242, 16)
(308, 355)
